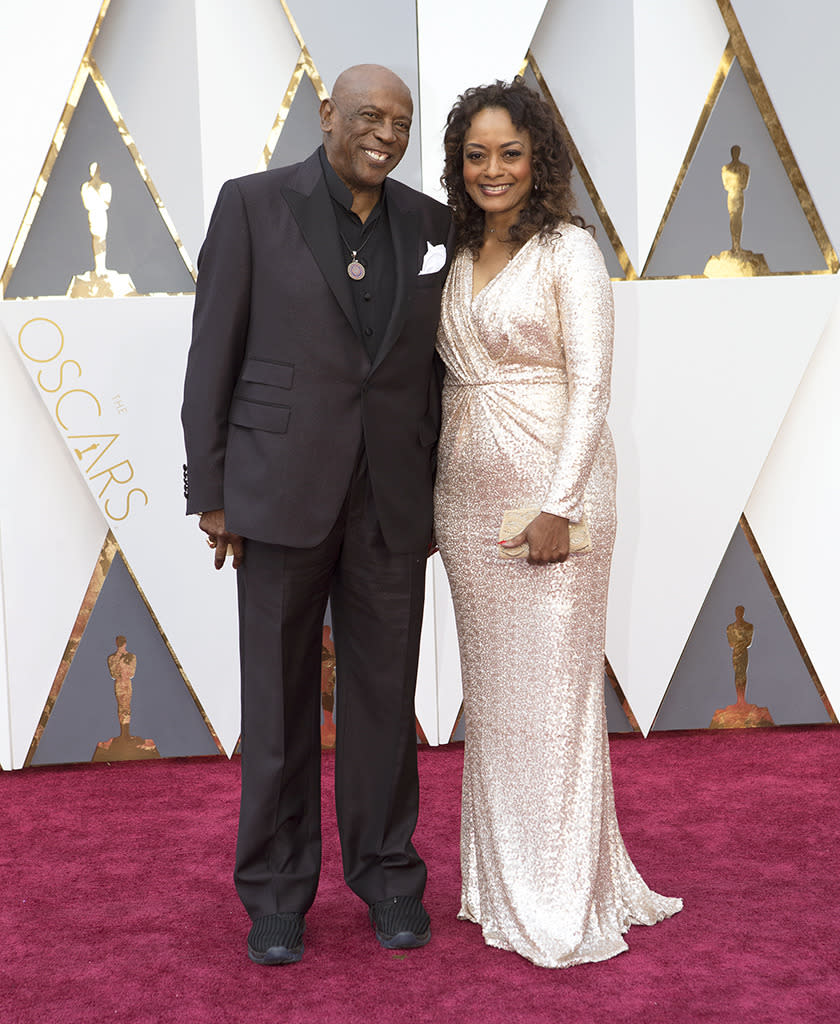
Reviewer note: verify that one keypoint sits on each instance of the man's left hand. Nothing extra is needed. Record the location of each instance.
(213, 524)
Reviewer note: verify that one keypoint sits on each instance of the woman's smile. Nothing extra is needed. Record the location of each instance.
(497, 165)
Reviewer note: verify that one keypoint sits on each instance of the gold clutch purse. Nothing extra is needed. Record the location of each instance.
(514, 521)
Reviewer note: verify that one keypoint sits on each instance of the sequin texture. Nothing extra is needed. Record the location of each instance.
(544, 868)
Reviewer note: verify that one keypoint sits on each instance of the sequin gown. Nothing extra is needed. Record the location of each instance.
(544, 868)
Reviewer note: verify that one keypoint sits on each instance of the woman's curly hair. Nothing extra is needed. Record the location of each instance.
(551, 201)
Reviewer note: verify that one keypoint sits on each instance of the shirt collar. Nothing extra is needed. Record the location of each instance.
(340, 192)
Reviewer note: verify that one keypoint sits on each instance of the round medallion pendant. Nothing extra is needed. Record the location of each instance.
(355, 270)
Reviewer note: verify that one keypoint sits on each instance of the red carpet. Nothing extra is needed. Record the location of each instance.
(118, 903)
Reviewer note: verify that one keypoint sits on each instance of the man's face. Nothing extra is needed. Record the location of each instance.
(366, 127)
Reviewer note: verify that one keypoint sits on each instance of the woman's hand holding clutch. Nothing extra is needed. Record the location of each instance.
(547, 537)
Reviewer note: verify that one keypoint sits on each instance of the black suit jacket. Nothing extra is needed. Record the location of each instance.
(280, 393)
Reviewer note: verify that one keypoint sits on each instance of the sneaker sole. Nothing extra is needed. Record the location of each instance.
(275, 956)
(404, 940)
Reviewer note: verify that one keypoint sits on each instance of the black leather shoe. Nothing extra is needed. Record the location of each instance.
(276, 940)
(401, 922)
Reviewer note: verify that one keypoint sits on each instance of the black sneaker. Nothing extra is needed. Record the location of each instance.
(401, 922)
(276, 939)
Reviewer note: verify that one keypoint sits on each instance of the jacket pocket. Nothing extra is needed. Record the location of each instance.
(260, 415)
(261, 371)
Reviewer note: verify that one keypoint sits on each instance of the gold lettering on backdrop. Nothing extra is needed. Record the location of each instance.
(112, 476)
(740, 715)
(67, 394)
(100, 282)
(119, 519)
(41, 340)
(28, 325)
(60, 385)
(96, 438)
(736, 262)
(122, 667)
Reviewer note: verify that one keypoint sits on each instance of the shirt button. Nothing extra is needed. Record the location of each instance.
(368, 331)
(367, 296)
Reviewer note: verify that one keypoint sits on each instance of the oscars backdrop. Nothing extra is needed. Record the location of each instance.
(704, 160)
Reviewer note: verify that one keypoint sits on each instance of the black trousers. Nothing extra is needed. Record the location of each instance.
(377, 609)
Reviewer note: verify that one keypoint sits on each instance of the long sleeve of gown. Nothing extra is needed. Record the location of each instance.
(584, 301)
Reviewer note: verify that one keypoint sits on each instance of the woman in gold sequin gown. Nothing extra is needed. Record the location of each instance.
(526, 337)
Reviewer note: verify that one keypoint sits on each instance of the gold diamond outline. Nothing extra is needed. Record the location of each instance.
(100, 572)
(293, 24)
(304, 66)
(718, 82)
(87, 69)
(777, 134)
(788, 619)
(609, 671)
(621, 254)
(738, 48)
(52, 153)
(458, 718)
(110, 549)
(131, 146)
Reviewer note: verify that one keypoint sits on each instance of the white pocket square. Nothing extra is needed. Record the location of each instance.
(434, 259)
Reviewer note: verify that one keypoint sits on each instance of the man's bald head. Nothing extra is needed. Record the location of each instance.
(363, 78)
(365, 125)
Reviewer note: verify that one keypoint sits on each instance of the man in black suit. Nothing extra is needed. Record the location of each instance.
(311, 412)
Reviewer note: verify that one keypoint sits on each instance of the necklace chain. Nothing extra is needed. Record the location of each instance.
(356, 270)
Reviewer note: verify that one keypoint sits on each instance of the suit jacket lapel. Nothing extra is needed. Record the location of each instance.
(312, 209)
(405, 230)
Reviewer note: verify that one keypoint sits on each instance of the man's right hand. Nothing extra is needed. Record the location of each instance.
(213, 524)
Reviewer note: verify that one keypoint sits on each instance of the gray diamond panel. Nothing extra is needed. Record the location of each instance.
(85, 712)
(59, 243)
(776, 674)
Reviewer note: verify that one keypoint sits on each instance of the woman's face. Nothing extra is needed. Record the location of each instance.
(497, 162)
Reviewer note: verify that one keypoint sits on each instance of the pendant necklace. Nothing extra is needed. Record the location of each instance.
(355, 269)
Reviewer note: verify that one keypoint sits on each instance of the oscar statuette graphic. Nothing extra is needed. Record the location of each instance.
(736, 262)
(99, 282)
(327, 690)
(122, 665)
(740, 715)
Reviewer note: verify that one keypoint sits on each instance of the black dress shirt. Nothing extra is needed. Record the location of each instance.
(375, 294)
